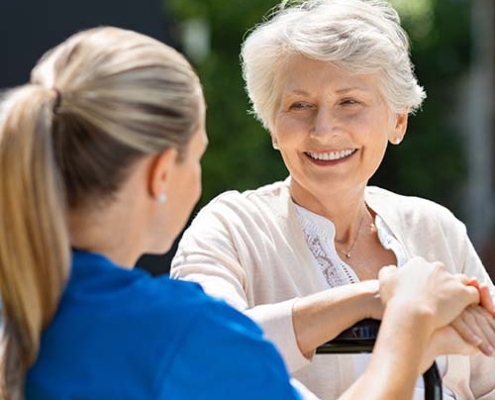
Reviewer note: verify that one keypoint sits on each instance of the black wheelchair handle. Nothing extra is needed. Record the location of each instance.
(361, 337)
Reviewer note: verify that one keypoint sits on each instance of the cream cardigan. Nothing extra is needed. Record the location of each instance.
(249, 249)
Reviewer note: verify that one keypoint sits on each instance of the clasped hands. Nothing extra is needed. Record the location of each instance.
(458, 310)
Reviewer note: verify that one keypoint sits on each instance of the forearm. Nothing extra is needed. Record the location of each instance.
(320, 317)
(397, 356)
(277, 323)
(300, 325)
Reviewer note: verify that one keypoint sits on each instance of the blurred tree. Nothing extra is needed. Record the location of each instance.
(429, 163)
(240, 155)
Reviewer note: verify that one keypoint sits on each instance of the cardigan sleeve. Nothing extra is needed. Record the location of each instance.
(472, 265)
(481, 381)
(220, 255)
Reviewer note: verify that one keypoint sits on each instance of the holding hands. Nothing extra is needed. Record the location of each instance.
(457, 310)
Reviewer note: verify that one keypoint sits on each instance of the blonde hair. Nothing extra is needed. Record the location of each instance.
(95, 104)
(357, 35)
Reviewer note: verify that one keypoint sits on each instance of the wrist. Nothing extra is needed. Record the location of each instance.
(415, 315)
(403, 338)
(370, 304)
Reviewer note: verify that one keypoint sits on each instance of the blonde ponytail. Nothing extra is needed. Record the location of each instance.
(121, 95)
(34, 243)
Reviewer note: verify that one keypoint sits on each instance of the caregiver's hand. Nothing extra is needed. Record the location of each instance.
(486, 300)
(443, 296)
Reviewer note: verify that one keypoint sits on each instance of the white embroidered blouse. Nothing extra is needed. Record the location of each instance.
(320, 237)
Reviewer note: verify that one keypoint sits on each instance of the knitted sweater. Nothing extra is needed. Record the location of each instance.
(249, 249)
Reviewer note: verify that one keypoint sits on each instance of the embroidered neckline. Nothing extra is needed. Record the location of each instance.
(319, 233)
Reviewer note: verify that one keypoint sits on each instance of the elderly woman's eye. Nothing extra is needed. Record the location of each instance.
(300, 105)
(349, 102)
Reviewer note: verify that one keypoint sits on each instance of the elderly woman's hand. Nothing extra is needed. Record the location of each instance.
(477, 327)
(444, 341)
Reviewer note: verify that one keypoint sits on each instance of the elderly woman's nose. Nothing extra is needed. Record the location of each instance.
(325, 123)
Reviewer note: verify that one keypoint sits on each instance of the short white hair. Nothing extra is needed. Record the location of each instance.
(358, 36)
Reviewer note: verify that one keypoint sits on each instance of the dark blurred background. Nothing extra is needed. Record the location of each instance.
(447, 155)
(28, 28)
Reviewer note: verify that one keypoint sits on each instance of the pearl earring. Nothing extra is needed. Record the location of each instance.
(397, 140)
(162, 198)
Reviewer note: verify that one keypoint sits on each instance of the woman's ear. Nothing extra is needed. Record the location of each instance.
(399, 127)
(274, 142)
(161, 168)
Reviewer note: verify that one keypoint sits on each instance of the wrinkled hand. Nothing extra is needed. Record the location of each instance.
(477, 326)
(445, 341)
(430, 288)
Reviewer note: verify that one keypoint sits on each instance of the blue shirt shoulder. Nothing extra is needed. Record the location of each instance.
(122, 334)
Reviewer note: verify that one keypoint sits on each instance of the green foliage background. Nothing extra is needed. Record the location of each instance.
(429, 163)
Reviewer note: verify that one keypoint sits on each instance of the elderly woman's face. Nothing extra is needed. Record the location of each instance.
(331, 127)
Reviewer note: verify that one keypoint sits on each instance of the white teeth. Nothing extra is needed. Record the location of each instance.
(333, 155)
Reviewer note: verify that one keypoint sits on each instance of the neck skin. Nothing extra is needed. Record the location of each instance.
(343, 207)
(116, 229)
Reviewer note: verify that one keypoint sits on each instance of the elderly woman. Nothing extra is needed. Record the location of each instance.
(333, 83)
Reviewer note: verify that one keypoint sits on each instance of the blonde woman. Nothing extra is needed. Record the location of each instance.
(100, 162)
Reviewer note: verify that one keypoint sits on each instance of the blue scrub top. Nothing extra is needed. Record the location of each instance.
(122, 334)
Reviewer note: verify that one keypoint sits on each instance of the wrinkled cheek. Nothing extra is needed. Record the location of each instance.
(292, 161)
(290, 131)
(284, 128)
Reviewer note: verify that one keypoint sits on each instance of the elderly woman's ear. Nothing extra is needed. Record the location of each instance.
(399, 127)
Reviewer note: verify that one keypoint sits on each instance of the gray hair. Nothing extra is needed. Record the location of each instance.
(358, 36)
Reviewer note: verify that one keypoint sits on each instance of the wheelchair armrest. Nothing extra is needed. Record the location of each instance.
(361, 337)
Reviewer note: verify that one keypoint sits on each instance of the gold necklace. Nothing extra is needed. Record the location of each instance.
(348, 252)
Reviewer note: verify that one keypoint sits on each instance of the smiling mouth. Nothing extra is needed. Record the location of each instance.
(331, 155)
